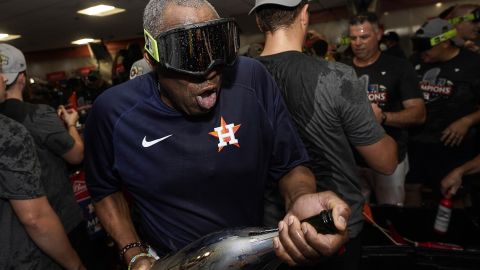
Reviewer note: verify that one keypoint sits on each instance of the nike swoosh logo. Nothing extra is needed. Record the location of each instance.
(146, 143)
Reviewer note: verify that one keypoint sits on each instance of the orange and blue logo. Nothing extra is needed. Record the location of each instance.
(225, 134)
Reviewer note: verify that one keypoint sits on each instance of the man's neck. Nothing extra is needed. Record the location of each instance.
(282, 40)
(367, 61)
(14, 94)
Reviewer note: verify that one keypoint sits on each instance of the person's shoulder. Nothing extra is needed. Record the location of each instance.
(11, 132)
(41, 108)
(397, 64)
(338, 69)
(127, 93)
(341, 81)
(293, 60)
(394, 60)
(245, 72)
(247, 65)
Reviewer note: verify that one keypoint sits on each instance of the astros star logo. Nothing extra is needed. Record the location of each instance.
(225, 134)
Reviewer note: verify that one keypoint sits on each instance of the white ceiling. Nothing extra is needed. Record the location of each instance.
(50, 24)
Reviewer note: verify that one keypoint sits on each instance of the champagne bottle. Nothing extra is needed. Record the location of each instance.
(235, 249)
(443, 216)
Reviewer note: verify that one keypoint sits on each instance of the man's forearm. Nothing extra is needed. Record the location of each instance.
(46, 230)
(300, 180)
(405, 118)
(473, 118)
(114, 214)
(75, 154)
(72, 130)
(471, 167)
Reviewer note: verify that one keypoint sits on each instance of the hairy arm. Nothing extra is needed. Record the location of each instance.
(44, 227)
(297, 182)
(414, 113)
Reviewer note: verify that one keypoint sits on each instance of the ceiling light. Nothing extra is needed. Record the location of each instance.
(101, 10)
(7, 37)
(386, 13)
(439, 4)
(84, 41)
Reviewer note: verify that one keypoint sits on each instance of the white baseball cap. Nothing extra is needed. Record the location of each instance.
(12, 61)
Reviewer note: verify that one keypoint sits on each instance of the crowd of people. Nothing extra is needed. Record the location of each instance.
(200, 139)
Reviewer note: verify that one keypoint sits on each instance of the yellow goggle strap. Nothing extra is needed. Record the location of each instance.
(459, 19)
(344, 41)
(441, 38)
(151, 46)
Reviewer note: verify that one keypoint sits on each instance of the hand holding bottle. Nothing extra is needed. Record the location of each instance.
(300, 243)
(69, 117)
(452, 182)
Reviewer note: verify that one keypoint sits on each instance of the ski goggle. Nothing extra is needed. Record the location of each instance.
(196, 48)
(421, 44)
(471, 17)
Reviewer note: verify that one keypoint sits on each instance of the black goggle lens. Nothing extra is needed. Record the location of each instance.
(197, 48)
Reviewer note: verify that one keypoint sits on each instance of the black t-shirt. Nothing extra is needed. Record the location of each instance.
(391, 80)
(451, 90)
(52, 141)
(330, 108)
(19, 180)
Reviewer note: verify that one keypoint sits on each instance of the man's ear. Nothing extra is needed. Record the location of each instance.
(22, 78)
(258, 23)
(149, 59)
(380, 33)
(304, 15)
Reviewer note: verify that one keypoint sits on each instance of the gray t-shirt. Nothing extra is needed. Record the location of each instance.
(52, 141)
(330, 108)
(19, 180)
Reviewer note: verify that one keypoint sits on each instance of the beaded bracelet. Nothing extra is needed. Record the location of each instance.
(132, 261)
(132, 245)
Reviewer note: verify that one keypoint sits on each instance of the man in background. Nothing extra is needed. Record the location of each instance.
(57, 142)
(32, 235)
(392, 42)
(451, 89)
(466, 19)
(329, 106)
(396, 98)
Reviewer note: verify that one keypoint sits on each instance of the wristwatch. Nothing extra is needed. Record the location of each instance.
(384, 118)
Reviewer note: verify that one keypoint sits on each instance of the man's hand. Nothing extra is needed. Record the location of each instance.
(69, 117)
(377, 111)
(300, 243)
(451, 183)
(472, 46)
(453, 135)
